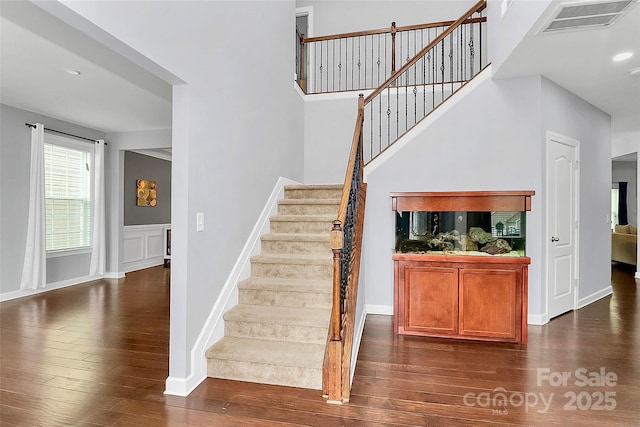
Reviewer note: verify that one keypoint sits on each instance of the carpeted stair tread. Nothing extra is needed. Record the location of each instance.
(302, 259)
(313, 317)
(302, 237)
(281, 353)
(313, 187)
(307, 218)
(286, 284)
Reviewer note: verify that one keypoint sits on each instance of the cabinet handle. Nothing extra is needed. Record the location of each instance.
(555, 239)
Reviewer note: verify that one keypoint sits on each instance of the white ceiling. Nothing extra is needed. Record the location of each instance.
(111, 94)
(581, 61)
(114, 94)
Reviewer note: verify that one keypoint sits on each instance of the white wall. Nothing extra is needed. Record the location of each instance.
(237, 127)
(625, 135)
(506, 32)
(568, 115)
(334, 17)
(329, 123)
(15, 152)
(469, 148)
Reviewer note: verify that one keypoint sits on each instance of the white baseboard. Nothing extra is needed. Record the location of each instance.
(6, 296)
(114, 275)
(140, 265)
(357, 338)
(182, 386)
(213, 329)
(538, 319)
(637, 275)
(387, 310)
(582, 302)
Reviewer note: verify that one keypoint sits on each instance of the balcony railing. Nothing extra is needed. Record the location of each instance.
(361, 60)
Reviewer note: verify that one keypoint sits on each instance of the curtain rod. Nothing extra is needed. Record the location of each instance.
(64, 133)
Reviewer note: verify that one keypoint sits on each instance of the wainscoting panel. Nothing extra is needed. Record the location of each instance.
(143, 246)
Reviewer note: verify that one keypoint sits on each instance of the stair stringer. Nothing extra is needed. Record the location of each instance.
(213, 329)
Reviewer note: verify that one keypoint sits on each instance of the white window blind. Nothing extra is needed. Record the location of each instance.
(67, 196)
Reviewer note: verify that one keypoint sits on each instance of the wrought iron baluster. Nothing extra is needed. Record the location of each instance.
(352, 62)
(481, 26)
(460, 57)
(359, 62)
(388, 115)
(333, 70)
(378, 62)
(471, 50)
(371, 129)
(321, 67)
(451, 60)
(398, 82)
(379, 124)
(424, 75)
(442, 68)
(372, 56)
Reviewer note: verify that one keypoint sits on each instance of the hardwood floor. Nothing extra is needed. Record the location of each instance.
(97, 354)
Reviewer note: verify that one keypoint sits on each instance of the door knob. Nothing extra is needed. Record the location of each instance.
(555, 239)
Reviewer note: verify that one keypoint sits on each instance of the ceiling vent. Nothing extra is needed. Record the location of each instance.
(586, 14)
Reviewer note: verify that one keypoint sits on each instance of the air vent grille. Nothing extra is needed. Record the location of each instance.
(574, 16)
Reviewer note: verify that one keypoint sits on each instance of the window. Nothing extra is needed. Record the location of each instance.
(67, 169)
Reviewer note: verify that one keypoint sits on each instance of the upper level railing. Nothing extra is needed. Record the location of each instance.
(360, 60)
(435, 72)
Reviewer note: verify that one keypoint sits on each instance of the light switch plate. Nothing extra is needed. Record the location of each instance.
(200, 221)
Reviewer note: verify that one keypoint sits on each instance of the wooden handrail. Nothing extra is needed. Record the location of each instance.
(386, 30)
(344, 200)
(476, 8)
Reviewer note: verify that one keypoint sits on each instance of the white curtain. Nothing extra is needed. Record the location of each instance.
(34, 269)
(98, 255)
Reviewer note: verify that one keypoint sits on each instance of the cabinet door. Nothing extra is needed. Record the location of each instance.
(489, 303)
(431, 300)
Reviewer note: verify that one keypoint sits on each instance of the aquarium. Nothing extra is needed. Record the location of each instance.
(482, 233)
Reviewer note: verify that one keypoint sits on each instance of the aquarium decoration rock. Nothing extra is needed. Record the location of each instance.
(498, 246)
(478, 235)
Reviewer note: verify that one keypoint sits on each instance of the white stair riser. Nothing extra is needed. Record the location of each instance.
(284, 299)
(266, 374)
(276, 332)
(302, 226)
(296, 247)
(301, 271)
(308, 209)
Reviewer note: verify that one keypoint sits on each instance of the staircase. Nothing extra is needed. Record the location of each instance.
(278, 331)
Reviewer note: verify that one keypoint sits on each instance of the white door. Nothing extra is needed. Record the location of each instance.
(562, 224)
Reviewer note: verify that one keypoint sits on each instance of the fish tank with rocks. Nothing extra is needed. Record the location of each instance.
(486, 233)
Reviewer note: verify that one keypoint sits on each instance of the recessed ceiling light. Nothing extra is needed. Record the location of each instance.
(622, 56)
(635, 72)
(73, 72)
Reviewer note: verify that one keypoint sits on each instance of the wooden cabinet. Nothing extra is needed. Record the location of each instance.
(468, 297)
(446, 289)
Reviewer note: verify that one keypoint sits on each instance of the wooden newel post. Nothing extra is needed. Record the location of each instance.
(336, 246)
(393, 47)
(301, 81)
